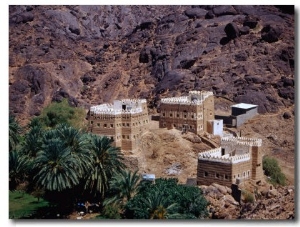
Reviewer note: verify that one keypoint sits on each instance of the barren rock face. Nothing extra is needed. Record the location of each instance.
(96, 54)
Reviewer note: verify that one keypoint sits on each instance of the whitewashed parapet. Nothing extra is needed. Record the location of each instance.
(240, 158)
(108, 108)
(214, 152)
(214, 155)
(125, 101)
(242, 141)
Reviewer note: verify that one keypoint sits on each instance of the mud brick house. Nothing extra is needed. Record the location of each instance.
(237, 159)
(188, 113)
(124, 121)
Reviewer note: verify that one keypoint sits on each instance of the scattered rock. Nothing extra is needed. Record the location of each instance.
(287, 115)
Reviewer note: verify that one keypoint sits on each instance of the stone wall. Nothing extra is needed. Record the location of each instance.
(124, 122)
(238, 159)
(187, 113)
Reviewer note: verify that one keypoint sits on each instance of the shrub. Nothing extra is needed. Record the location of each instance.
(111, 211)
(272, 170)
(248, 196)
(61, 112)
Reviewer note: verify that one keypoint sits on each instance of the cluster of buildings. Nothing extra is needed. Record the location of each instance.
(237, 158)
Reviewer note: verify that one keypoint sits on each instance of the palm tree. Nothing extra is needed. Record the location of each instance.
(33, 142)
(107, 161)
(14, 132)
(56, 168)
(125, 185)
(18, 167)
(158, 206)
(79, 145)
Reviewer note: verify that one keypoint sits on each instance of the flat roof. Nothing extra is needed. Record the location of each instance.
(244, 105)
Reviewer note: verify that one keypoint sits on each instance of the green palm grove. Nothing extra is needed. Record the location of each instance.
(66, 165)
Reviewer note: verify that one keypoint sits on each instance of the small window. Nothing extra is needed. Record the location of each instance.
(223, 151)
(226, 177)
(127, 137)
(98, 124)
(177, 115)
(105, 125)
(164, 114)
(91, 122)
(185, 116)
(123, 124)
(217, 175)
(205, 174)
(171, 115)
(123, 136)
(127, 124)
(192, 116)
(111, 125)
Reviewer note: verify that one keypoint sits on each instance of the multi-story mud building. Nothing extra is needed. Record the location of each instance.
(237, 159)
(124, 121)
(193, 113)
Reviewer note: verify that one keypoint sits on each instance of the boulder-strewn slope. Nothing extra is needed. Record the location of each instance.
(94, 54)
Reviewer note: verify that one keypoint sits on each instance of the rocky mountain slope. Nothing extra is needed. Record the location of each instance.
(94, 54)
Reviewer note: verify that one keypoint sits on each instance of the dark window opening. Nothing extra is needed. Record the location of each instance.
(223, 151)
(205, 174)
(124, 107)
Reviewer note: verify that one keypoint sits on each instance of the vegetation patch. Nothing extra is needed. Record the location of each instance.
(61, 112)
(23, 205)
(273, 171)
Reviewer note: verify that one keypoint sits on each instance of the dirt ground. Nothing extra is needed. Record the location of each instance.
(169, 153)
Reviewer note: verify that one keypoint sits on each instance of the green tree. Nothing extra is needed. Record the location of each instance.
(166, 199)
(33, 139)
(79, 145)
(61, 112)
(158, 206)
(56, 167)
(272, 170)
(107, 161)
(14, 133)
(18, 168)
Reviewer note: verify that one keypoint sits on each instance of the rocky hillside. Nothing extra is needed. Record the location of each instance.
(94, 54)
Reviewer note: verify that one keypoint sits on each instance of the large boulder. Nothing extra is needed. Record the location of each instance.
(196, 13)
(232, 30)
(270, 34)
(224, 10)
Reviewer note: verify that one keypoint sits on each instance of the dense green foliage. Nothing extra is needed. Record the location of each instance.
(66, 166)
(22, 205)
(61, 112)
(167, 199)
(273, 171)
(14, 133)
